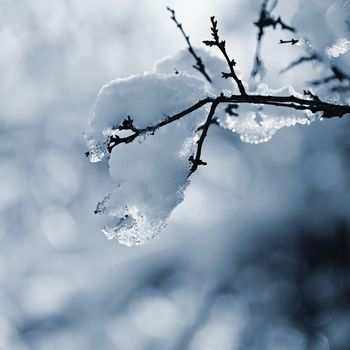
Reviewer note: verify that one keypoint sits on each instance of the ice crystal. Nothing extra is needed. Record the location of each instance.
(96, 150)
(134, 229)
(341, 47)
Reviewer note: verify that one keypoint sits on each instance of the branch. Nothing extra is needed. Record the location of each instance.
(214, 121)
(314, 105)
(196, 160)
(229, 109)
(199, 63)
(300, 60)
(115, 140)
(337, 74)
(222, 47)
(292, 41)
(265, 20)
(341, 88)
(258, 66)
(282, 24)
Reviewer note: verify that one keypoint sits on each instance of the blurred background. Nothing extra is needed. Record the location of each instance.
(256, 257)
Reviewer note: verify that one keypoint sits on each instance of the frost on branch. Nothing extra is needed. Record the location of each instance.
(151, 174)
(257, 124)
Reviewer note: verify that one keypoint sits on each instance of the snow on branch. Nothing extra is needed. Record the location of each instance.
(152, 128)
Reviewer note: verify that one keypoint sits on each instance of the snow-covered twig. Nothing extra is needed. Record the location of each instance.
(314, 105)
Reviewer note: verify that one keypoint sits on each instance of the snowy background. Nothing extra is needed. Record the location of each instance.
(258, 254)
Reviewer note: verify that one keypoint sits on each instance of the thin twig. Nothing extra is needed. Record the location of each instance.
(199, 62)
(300, 60)
(292, 41)
(337, 74)
(265, 20)
(221, 44)
(214, 121)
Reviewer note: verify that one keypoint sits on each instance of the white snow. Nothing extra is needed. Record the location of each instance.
(341, 47)
(151, 172)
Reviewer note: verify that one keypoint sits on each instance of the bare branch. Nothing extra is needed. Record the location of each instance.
(292, 41)
(222, 47)
(337, 74)
(199, 62)
(265, 20)
(258, 67)
(341, 88)
(328, 110)
(314, 105)
(229, 109)
(300, 60)
(115, 140)
(196, 159)
(214, 121)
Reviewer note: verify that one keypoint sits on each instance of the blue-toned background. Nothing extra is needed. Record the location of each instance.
(256, 257)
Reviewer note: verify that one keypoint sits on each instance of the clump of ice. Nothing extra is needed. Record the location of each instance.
(150, 176)
(127, 229)
(257, 124)
(341, 47)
